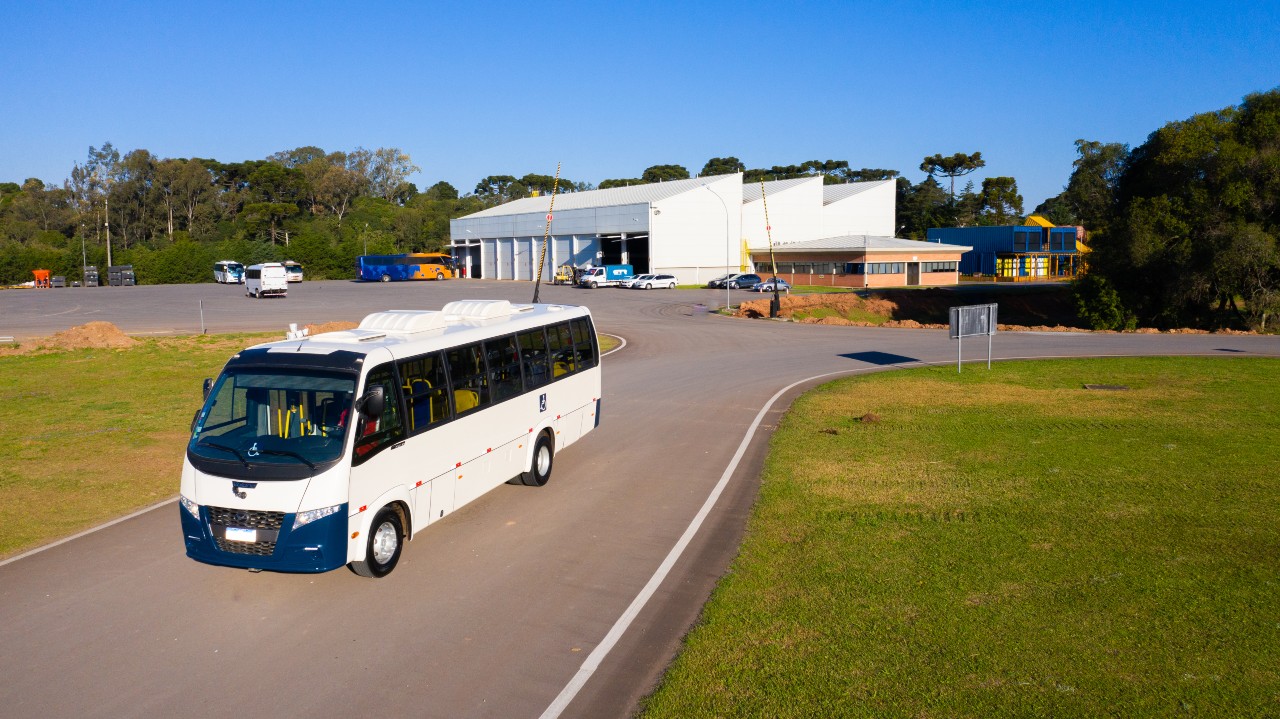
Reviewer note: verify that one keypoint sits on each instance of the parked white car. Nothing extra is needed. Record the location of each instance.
(636, 281)
(648, 282)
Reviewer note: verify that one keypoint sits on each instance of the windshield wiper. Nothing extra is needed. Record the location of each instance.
(287, 453)
(224, 448)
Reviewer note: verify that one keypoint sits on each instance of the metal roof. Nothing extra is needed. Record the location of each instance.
(751, 190)
(836, 193)
(633, 195)
(863, 243)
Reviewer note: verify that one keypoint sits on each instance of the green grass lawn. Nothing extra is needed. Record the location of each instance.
(1007, 543)
(90, 435)
(853, 315)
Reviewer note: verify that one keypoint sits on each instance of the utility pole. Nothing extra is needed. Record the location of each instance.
(106, 204)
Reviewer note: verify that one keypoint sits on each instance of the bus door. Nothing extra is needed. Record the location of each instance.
(381, 461)
(428, 411)
(471, 438)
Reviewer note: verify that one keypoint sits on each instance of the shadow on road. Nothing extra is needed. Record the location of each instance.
(880, 358)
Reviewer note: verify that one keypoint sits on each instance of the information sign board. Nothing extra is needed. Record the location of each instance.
(972, 321)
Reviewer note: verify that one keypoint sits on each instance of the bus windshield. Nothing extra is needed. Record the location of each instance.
(292, 420)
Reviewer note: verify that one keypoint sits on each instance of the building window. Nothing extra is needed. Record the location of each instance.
(875, 268)
(938, 266)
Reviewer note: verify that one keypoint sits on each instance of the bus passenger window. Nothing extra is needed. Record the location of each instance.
(377, 432)
(426, 391)
(584, 344)
(533, 354)
(467, 378)
(560, 345)
(504, 367)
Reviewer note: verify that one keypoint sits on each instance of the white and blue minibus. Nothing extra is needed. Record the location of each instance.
(315, 452)
(228, 272)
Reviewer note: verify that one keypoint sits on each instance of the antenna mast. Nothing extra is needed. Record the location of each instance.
(546, 234)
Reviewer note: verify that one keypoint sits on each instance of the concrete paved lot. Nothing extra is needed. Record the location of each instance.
(492, 611)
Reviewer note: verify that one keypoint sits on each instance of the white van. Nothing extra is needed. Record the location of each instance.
(265, 280)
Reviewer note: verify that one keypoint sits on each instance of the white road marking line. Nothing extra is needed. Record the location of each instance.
(615, 349)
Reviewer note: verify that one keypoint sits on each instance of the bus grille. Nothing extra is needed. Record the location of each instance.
(246, 518)
(268, 522)
(257, 549)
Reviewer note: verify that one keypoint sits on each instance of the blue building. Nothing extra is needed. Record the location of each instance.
(1038, 251)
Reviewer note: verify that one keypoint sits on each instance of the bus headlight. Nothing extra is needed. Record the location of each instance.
(312, 515)
(192, 508)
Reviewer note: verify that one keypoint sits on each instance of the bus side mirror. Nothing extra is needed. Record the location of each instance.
(373, 402)
(208, 385)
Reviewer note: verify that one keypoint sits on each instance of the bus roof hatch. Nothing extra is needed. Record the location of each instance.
(403, 321)
(477, 309)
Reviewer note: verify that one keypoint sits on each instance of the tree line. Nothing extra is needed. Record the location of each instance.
(1182, 228)
(173, 217)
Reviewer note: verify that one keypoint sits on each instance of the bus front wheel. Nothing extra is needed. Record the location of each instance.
(540, 468)
(382, 551)
(439, 275)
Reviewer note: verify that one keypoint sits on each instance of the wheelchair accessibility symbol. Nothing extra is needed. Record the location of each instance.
(542, 402)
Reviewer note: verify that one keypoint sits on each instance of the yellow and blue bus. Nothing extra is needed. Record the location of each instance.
(416, 266)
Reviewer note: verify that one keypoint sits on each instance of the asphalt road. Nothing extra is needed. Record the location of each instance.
(493, 611)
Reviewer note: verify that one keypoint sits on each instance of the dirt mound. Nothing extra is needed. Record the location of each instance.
(840, 303)
(1038, 307)
(1022, 308)
(330, 327)
(95, 335)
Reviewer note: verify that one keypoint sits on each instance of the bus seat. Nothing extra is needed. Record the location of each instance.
(420, 402)
(465, 399)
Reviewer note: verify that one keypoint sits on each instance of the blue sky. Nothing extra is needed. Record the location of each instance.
(473, 89)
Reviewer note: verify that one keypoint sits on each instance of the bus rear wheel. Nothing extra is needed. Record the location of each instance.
(385, 278)
(382, 551)
(540, 468)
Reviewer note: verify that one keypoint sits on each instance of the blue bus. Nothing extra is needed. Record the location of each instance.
(415, 266)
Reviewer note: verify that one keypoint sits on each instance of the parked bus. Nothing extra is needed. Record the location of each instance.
(228, 272)
(416, 266)
(315, 452)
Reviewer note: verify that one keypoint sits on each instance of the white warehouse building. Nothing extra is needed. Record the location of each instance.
(694, 229)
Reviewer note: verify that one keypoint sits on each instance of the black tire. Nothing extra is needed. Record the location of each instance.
(385, 278)
(439, 275)
(383, 547)
(540, 468)
(594, 285)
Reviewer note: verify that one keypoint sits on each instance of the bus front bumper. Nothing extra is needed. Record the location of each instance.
(318, 546)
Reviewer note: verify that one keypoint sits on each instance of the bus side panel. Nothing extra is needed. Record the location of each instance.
(434, 500)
